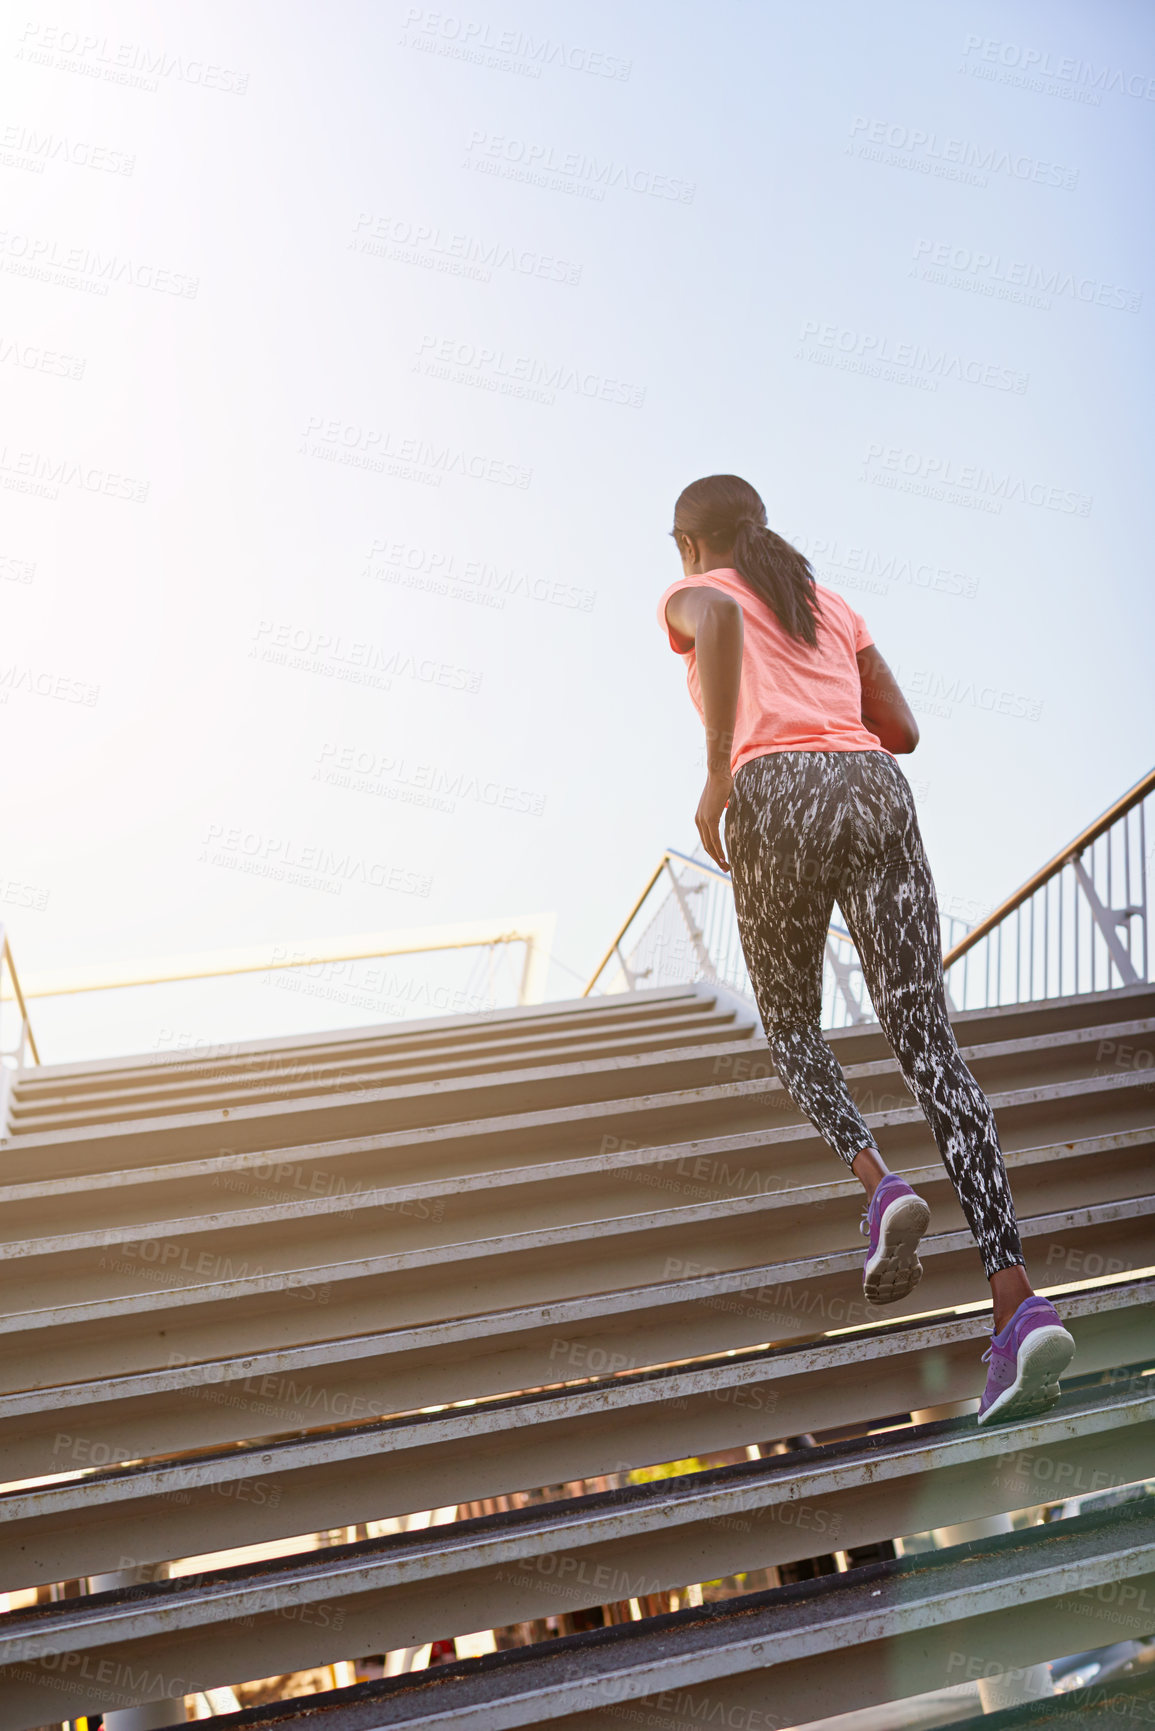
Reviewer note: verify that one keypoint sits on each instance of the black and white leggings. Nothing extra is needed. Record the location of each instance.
(805, 829)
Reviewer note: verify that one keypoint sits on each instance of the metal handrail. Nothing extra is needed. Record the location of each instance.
(698, 865)
(12, 1061)
(1078, 854)
(535, 931)
(26, 1034)
(628, 922)
(1045, 873)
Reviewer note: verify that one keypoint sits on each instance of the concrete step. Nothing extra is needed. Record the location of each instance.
(718, 1246)
(447, 1036)
(831, 1646)
(176, 1404)
(738, 1090)
(392, 1227)
(568, 1018)
(322, 1275)
(88, 1148)
(44, 1108)
(393, 1467)
(1120, 1701)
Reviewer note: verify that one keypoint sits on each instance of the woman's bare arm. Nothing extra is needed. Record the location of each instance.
(885, 710)
(711, 621)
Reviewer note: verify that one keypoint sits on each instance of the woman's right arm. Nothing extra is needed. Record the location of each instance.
(711, 621)
(885, 710)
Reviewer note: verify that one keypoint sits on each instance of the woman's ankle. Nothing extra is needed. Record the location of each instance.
(870, 1169)
(1009, 1288)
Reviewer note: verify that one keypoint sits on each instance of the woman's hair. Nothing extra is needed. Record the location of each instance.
(726, 511)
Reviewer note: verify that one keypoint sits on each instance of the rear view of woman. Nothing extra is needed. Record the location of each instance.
(803, 720)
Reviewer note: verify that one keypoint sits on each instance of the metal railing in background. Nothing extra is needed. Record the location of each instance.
(13, 1058)
(1079, 924)
(691, 934)
(535, 931)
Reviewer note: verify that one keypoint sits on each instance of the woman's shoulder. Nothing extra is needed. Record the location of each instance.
(729, 582)
(835, 605)
(847, 621)
(832, 599)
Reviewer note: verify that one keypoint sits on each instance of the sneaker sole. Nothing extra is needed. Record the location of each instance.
(1042, 1359)
(894, 1270)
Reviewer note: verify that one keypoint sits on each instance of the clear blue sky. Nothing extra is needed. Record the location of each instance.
(353, 357)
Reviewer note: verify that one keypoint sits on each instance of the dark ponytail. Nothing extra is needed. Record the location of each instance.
(725, 511)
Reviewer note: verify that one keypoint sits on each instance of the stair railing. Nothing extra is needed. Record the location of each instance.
(535, 931)
(1079, 924)
(692, 934)
(13, 1059)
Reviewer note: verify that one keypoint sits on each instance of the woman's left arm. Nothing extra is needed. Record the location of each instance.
(712, 622)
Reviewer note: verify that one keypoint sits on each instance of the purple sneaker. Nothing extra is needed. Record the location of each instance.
(1026, 1359)
(894, 1222)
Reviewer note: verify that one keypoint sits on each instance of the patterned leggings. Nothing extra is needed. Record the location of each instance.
(807, 828)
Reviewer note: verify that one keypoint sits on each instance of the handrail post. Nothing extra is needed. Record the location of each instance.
(5, 1067)
(1107, 920)
(625, 967)
(538, 938)
(1133, 797)
(27, 1037)
(10, 1072)
(700, 950)
(625, 926)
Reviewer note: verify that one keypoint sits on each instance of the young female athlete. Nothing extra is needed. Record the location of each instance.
(803, 720)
